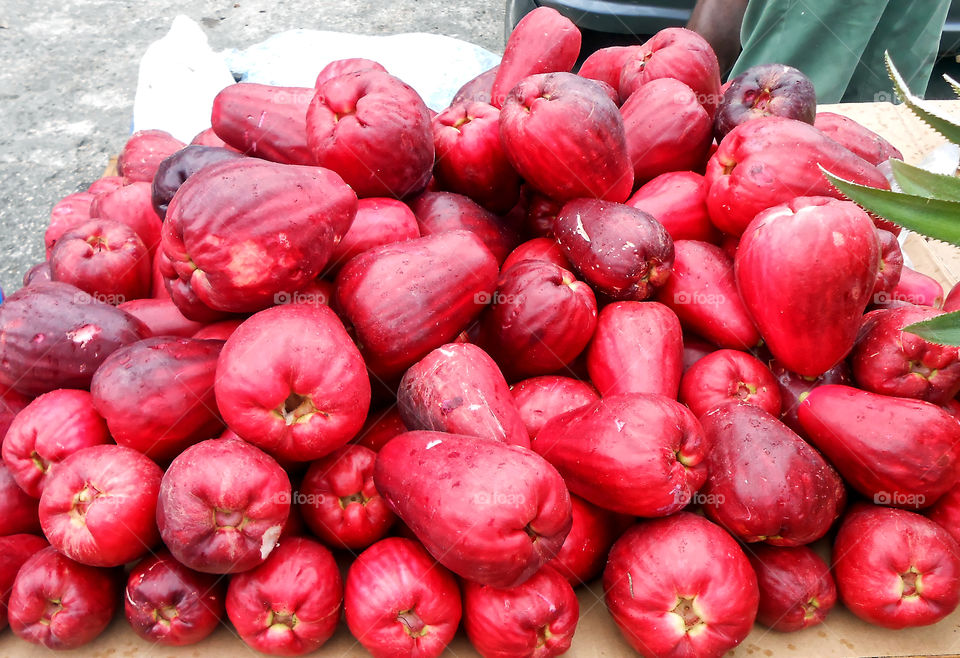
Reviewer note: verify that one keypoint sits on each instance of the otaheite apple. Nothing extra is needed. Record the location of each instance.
(796, 588)
(400, 602)
(14, 551)
(222, 506)
(729, 376)
(539, 399)
(18, 511)
(584, 551)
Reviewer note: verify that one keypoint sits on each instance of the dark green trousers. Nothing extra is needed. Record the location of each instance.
(839, 44)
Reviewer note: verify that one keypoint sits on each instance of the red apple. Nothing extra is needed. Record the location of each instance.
(400, 602)
(539, 399)
(895, 568)
(796, 588)
(678, 200)
(379, 221)
(11, 403)
(14, 551)
(18, 511)
(288, 406)
(439, 212)
(584, 551)
(380, 426)
(605, 64)
(478, 88)
(340, 67)
(59, 603)
(946, 512)
(264, 121)
(765, 90)
(70, 212)
(218, 330)
(918, 288)
(99, 506)
(891, 267)
(162, 317)
(106, 184)
(222, 506)
(168, 604)
(47, 431)
(143, 153)
(680, 586)
(794, 389)
(131, 205)
(543, 249)
(536, 618)
(339, 501)
(729, 376)
(864, 142)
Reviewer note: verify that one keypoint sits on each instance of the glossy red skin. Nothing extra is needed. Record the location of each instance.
(616, 365)
(655, 563)
(584, 552)
(478, 89)
(796, 588)
(794, 388)
(299, 583)
(639, 453)
(105, 259)
(356, 121)
(667, 129)
(864, 142)
(897, 451)
(86, 600)
(397, 577)
(340, 504)
(946, 512)
(208, 137)
(766, 90)
(893, 362)
(674, 53)
(131, 205)
(891, 267)
(47, 431)
(540, 399)
(541, 213)
(106, 184)
(918, 288)
(158, 396)
(37, 273)
(544, 41)
(99, 506)
(177, 168)
(380, 427)
(69, 212)
(53, 335)
(474, 503)
(766, 483)
(271, 357)
(605, 64)
(470, 157)
(540, 320)
(695, 349)
(143, 153)
(264, 121)
(340, 67)
(242, 232)
(438, 212)
(539, 249)
(207, 485)
(158, 286)
(18, 511)
(168, 604)
(458, 388)
(726, 377)
(952, 300)
(678, 200)
(14, 551)
(773, 260)
(536, 618)
(408, 298)
(218, 330)
(161, 317)
(11, 403)
(565, 137)
(769, 161)
(379, 221)
(875, 546)
(702, 291)
(624, 253)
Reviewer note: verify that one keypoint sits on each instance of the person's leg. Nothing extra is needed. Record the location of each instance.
(718, 21)
(823, 38)
(912, 37)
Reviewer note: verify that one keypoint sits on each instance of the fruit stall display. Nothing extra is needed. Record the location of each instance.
(593, 363)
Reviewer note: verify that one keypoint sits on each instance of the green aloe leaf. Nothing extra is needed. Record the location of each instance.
(941, 124)
(932, 217)
(943, 329)
(953, 83)
(920, 182)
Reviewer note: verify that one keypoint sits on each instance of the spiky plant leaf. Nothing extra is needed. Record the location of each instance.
(920, 182)
(943, 329)
(921, 108)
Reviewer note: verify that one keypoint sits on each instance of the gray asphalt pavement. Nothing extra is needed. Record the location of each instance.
(68, 74)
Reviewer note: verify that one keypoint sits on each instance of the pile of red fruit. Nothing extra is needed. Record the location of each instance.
(552, 331)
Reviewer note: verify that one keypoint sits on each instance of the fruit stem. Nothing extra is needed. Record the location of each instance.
(412, 623)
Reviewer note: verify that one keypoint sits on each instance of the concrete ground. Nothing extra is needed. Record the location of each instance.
(69, 74)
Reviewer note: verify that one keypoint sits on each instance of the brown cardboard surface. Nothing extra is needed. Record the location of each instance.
(841, 635)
